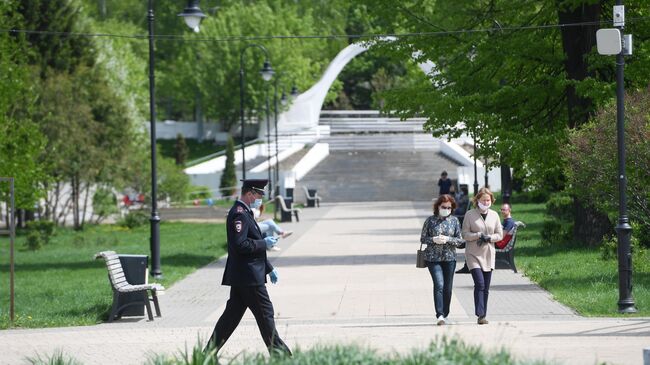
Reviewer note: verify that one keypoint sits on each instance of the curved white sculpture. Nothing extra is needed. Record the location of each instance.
(304, 111)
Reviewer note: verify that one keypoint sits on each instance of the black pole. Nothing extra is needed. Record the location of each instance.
(241, 111)
(155, 218)
(485, 170)
(475, 173)
(268, 141)
(623, 229)
(241, 100)
(275, 127)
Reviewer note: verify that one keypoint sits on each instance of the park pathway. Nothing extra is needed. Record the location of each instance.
(347, 275)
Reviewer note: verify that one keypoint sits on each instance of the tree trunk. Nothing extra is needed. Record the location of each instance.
(85, 207)
(590, 225)
(577, 42)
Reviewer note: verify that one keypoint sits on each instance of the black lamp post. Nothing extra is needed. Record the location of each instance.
(192, 15)
(267, 73)
(623, 228)
(284, 101)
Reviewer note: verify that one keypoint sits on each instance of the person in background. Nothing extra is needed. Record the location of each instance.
(246, 269)
(508, 222)
(481, 229)
(269, 227)
(442, 234)
(444, 183)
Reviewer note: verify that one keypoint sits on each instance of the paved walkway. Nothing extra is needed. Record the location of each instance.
(348, 275)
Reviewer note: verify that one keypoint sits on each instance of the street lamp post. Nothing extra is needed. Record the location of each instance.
(267, 73)
(623, 228)
(192, 15)
(283, 101)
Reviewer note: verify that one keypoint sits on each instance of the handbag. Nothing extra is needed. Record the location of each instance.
(420, 262)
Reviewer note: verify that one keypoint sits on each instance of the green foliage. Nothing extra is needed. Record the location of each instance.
(58, 358)
(39, 233)
(200, 192)
(228, 183)
(558, 226)
(134, 219)
(181, 151)
(172, 181)
(104, 203)
(34, 240)
(592, 164)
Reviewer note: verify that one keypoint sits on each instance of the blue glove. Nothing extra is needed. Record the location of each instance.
(274, 276)
(270, 241)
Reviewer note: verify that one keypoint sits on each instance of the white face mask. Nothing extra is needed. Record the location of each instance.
(484, 207)
(256, 204)
(444, 212)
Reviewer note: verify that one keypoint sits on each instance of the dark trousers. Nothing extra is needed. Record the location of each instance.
(442, 273)
(481, 290)
(255, 298)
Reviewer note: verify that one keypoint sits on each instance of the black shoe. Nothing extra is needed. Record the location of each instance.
(463, 270)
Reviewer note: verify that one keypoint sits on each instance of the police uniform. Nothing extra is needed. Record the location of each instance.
(245, 273)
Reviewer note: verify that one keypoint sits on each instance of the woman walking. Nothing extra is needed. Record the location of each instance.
(481, 229)
(442, 234)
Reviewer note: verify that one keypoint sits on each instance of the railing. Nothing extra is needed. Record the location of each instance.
(220, 153)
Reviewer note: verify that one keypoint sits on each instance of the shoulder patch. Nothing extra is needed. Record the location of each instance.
(239, 209)
(238, 226)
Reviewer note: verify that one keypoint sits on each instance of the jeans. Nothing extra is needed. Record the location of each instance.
(481, 290)
(269, 227)
(442, 273)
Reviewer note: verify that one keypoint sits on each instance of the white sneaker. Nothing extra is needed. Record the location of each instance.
(441, 321)
(274, 248)
(447, 320)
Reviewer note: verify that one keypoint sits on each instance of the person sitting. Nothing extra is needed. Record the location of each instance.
(269, 227)
(509, 227)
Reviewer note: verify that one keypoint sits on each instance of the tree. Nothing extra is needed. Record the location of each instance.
(21, 142)
(228, 183)
(180, 150)
(591, 168)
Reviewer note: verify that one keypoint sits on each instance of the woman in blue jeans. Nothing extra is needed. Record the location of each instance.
(442, 234)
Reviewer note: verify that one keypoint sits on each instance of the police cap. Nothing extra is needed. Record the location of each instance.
(257, 185)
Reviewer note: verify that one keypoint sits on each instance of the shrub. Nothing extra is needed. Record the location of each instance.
(228, 182)
(34, 240)
(556, 232)
(104, 203)
(45, 229)
(134, 219)
(201, 192)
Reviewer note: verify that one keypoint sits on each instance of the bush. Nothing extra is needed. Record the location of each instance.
(228, 182)
(134, 219)
(34, 240)
(43, 229)
(201, 192)
(104, 203)
(556, 232)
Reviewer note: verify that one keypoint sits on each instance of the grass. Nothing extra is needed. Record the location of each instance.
(442, 351)
(576, 276)
(62, 285)
(196, 149)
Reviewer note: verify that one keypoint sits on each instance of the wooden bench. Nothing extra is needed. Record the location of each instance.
(311, 199)
(283, 206)
(505, 258)
(121, 287)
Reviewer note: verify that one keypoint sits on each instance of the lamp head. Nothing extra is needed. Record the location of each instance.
(192, 15)
(267, 71)
(283, 99)
(294, 91)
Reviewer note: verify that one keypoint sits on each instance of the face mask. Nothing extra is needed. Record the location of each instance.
(484, 207)
(444, 212)
(256, 204)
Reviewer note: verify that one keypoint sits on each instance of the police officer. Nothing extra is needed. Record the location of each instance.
(246, 270)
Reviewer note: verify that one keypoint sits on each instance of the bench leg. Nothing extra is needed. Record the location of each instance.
(511, 260)
(154, 298)
(297, 219)
(148, 306)
(113, 314)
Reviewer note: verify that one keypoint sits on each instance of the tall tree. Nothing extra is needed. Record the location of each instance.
(228, 183)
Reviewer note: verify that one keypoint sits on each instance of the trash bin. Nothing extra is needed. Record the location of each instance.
(135, 272)
(285, 216)
(311, 202)
(289, 193)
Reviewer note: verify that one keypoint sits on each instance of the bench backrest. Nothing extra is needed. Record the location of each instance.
(115, 270)
(282, 204)
(511, 243)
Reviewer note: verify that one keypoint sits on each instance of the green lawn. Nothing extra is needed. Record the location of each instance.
(575, 276)
(62, 285)
(196, 149)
